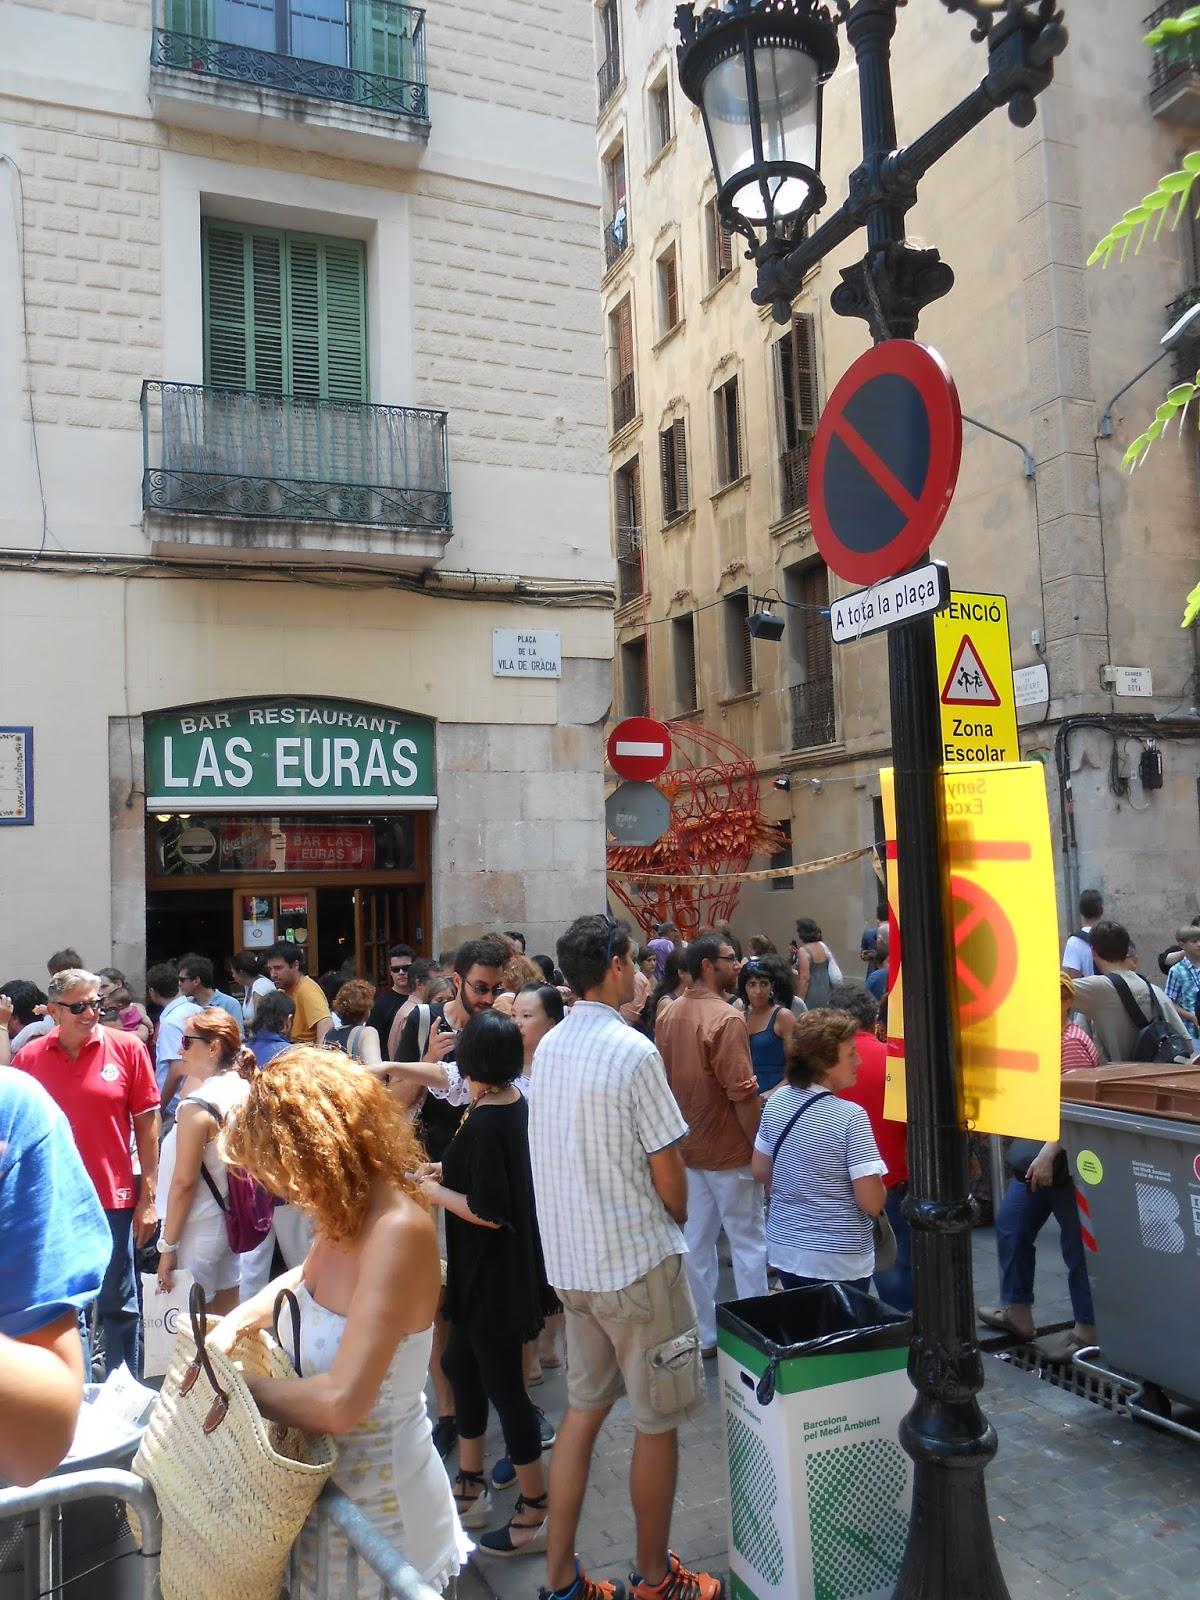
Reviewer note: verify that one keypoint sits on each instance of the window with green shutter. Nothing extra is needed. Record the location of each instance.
(284, 313)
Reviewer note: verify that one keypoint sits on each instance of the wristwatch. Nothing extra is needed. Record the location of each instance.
(165, 1249)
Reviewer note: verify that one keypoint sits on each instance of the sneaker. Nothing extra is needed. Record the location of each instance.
(679, 1584)
(585, 1588)
(503, 1473)
(445, 1436)
(546, 1428)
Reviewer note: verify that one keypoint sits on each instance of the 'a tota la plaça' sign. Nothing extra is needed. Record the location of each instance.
(289, 754)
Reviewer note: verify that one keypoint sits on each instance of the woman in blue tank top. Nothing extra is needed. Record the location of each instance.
(762, 985)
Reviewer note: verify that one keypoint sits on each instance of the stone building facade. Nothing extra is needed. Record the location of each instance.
(300, 399)
(708, 392)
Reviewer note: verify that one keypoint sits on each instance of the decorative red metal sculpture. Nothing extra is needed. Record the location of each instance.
(717, 824)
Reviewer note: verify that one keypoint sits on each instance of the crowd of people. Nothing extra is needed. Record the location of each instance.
(542, 1151)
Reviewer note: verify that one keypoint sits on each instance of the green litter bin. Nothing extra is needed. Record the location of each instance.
(814, 1383)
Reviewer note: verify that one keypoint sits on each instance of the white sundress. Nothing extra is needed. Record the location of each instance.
(388, 1466)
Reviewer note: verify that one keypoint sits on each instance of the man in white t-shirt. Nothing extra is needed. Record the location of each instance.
(611, 1190)
(1077, 953)
(1098, 999)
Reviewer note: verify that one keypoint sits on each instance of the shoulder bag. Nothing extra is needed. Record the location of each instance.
(205, 1444)
(881, 1228)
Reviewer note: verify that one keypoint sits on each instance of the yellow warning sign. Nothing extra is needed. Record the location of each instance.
(975, 679)
(1005, 951)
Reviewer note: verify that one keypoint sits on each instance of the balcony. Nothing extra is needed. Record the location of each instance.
(616, 239)
(1175, 69)
(277, 70)
(624, 403)
(813, 720)
(793, 471)
(630, 585)
(226, 471)
(609, 79)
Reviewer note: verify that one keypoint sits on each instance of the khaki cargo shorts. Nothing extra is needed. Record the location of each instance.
(643, 1339)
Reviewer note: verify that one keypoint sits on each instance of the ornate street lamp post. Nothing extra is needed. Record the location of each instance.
(755, 69)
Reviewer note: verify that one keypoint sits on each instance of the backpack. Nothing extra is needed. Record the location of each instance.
(1156, 1040)
(249, 1209)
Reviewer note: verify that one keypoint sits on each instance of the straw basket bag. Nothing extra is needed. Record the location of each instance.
(234, 1490)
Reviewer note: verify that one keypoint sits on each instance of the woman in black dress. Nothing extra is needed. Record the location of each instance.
(497, 1296)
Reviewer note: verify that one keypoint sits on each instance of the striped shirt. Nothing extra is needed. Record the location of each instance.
(814, 1226)
(599, 1106)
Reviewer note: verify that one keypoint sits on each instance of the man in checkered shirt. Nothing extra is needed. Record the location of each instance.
(611, 1191)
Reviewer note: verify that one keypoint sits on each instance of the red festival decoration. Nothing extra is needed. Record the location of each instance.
(717, 824)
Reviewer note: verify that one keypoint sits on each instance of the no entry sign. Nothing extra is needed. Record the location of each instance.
(639, 748)
(885, 461)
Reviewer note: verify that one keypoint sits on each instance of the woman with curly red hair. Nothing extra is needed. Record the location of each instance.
(326, 1135)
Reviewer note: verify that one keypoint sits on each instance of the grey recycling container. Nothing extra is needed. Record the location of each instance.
(814, 1383)
(1137, 1179)
(100, 1559)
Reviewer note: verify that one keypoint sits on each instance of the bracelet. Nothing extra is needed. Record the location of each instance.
(165, 1249)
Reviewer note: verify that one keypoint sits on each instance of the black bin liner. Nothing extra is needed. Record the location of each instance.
(824, 1319)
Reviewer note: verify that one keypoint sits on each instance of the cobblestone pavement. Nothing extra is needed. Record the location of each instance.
(1084, 1503)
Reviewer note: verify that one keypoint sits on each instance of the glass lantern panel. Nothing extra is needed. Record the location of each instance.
(788, 95)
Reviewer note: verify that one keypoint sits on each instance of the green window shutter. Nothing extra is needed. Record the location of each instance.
(243, 308)
(193, 17)
(284, 313)
(345, 320)
(382, 39)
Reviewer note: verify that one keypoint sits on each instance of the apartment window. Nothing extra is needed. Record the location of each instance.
(620, 340)
(672, 449)
(810, 656)
(616, 204)
(719, 245)
(608, 79)
(669, 315)
(284, 313)
(368, 38)
(635, 684)
(739, 652)
(660, 116)
(782, 858)
(627, 498)
(683, 655)
(797, 406)
(727, 405)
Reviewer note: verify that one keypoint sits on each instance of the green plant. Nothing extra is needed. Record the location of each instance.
(1173, 36)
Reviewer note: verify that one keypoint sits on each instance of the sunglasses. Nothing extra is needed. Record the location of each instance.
(403, 968)
(78, 1007)
(481, 989)
(189, 1039)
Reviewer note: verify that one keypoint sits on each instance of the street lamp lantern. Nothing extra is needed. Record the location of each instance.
(756, 70)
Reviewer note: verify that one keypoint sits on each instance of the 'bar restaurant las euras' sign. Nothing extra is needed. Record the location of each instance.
(289, 754)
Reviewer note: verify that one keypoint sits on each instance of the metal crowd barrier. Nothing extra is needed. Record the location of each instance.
(47, 1498)
(334, 1513)
(333, 1518)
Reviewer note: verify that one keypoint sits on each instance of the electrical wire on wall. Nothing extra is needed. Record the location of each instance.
(18, 206)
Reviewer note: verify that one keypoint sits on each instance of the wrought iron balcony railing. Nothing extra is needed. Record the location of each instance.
(630, 584)
(368, 53)
(793, 468)
(1175, 67)
(616, 239)
(230, 453)
(608, 79)
(813, 720)
(623, 403)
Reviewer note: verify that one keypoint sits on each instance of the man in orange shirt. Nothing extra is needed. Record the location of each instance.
(706, 1049)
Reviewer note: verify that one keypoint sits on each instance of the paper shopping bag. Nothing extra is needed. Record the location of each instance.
(163, 1317)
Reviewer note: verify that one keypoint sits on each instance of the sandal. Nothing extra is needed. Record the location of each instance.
(1000, 1317)
(473, 1509)
(501, 1542)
